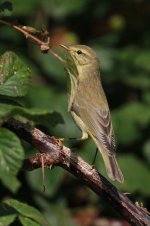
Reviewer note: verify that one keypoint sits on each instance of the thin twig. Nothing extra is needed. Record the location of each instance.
(38, 41)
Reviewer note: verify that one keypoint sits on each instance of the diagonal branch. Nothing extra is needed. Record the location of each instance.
(26, 33)
(57, 155)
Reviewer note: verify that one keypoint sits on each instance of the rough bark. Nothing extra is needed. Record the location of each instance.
(55, 154)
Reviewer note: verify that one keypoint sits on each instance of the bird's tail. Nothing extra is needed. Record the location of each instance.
(112, 167)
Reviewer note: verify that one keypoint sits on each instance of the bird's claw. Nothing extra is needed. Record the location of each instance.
(59, 141)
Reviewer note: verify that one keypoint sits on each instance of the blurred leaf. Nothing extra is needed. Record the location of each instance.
(11, 157)
(14, 75)
(27, 221)
(87, 151)
(146, 96)
(42, 116)
(57, 213)
(53, 178)
(121, 37)
(128, 120)
(138, 80)
(59, 9)
(52, 67)
(133, 54)
(7, 220)
(126, 54)
(5, 8)
(25, 211)
(136, 174)
(106, 41)
(146, 149)
(106, 57)
(142, 59)
(60, 216)
(43, 97)
(24, 8)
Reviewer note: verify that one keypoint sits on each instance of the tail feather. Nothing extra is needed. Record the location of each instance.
(112, 167)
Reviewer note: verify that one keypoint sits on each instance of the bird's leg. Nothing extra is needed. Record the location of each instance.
(83, 137)
(59, 141)
(95, 155)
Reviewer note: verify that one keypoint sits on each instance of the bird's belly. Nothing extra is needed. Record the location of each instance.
(79, 121)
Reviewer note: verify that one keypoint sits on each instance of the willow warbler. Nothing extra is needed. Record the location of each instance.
(88, 104)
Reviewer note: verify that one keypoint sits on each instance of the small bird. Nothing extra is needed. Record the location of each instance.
(88, 104)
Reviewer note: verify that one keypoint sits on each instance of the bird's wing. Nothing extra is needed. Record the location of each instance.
(97, 120)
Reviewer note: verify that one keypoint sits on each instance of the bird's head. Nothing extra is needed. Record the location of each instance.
(81, 55)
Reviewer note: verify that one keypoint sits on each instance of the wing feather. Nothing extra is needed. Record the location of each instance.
(97, 120)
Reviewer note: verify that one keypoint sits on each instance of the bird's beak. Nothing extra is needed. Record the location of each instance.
(65, 47)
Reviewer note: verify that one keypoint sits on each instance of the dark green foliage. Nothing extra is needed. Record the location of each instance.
(15, 77)
(119, 33)
(26, 214)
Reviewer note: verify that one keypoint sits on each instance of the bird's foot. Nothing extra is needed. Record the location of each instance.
(59, 141)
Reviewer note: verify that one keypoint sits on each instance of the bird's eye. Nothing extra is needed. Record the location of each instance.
(79, 52)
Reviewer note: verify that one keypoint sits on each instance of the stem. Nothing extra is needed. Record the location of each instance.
(38, 41)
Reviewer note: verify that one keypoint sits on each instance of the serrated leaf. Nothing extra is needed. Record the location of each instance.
(27, 211)
(14, 75)
(7, 220)
(42, 116)
(11, 157)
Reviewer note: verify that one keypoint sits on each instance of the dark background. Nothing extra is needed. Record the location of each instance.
(119, 32)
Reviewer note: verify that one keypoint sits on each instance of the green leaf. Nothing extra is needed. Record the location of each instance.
(24, 8)
(10, 181)
(42, 116)
(53, 178)
(146, 96)
(54, 69)
(106, 57)
(142, 59)
(138, 80)
(27, 212)
(5, 8)
(136, 174)
(135, 171)
(14, 75)
(61, 9)
(57, 213)
(11, 157)
(146, 150)
(27, 221)
(7, 220)
(129, 119)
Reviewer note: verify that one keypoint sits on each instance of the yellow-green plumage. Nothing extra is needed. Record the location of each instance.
(88, 104)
